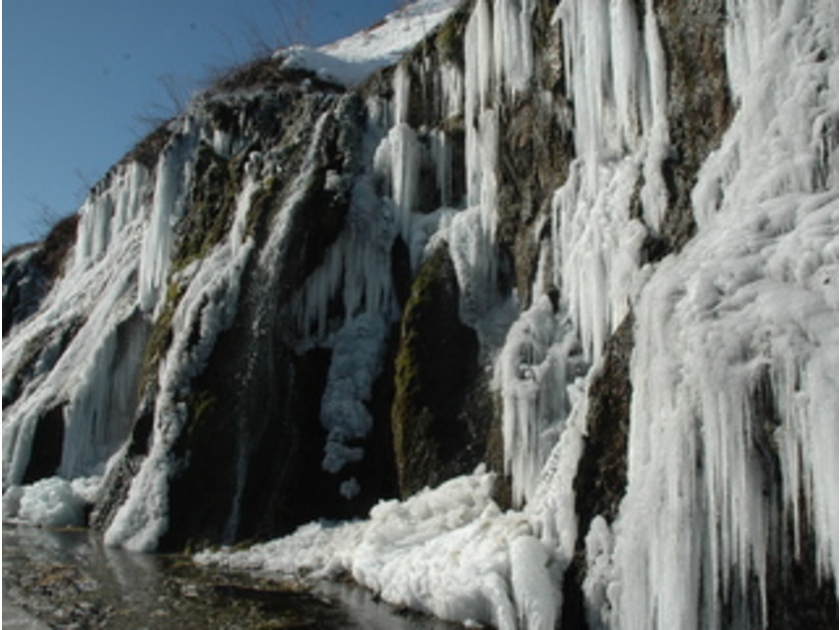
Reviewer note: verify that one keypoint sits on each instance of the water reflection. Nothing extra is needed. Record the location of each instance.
(71, 580)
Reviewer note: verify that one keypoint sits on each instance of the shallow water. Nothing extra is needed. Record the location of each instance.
(69, 579)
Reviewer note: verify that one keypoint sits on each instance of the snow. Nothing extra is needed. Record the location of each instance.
(535, 593)
(50, 502)
(351, 60)
(447, 551)
(746, 312)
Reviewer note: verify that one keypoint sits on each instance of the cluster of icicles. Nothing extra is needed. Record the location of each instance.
(749, 305)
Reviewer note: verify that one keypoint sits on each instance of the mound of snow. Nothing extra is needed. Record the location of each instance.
(352, 59)
(53, 502)
(449, 552)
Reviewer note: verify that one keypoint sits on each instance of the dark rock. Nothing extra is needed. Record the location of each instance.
(47, 445)
(700, 105)
(438, 419)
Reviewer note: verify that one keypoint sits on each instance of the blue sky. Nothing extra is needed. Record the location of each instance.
(78, 75)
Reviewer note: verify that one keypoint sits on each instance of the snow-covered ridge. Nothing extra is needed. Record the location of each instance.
(352, 59)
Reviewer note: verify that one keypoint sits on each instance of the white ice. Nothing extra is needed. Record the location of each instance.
(448, 551)
(749, 308)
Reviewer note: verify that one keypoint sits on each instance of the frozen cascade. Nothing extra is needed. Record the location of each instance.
(92, 343)
(750, 308)
(734, 362)
(619, 135)
(540, 359)
(621, 141)
(171, 181)
(595, 240)
(208, 305)
(106, 212)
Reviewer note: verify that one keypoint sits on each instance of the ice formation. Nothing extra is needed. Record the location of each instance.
(743, 312)
(734, 367)
(80, 319)
(447, 551)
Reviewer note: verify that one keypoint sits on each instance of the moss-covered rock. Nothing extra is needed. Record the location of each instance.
(210, 208)
(441, 412)
(160, 337)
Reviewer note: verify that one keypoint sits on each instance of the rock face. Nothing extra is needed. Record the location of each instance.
(442, 413)
(299, 298)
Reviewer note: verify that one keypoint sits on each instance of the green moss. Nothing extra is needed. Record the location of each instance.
(211, 206)
(201, 404)
(420, 403)
(161, 336)
(449, 42)
(263, 205)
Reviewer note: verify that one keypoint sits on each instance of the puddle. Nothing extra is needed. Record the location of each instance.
(69, 579)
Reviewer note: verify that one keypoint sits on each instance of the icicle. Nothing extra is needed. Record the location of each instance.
(532, 373)
(478, 58)
(513, 54)
(452, 88)
(158, 240)
(654, 193)
(748, 309)
(358, 351)
(402, 94)
(107, 210)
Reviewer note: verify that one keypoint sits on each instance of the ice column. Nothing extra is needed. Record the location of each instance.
(735, 364)
(107, 211)
(533, 372)
(616, 76)
(171, 181)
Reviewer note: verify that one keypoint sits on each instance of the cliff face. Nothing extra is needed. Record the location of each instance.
(593, 246)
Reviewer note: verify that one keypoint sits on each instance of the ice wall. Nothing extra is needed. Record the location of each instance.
(735, 365)
(615, 78)
(67, 353)
(734, 409)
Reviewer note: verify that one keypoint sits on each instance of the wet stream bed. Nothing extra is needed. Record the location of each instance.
(69, 579)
